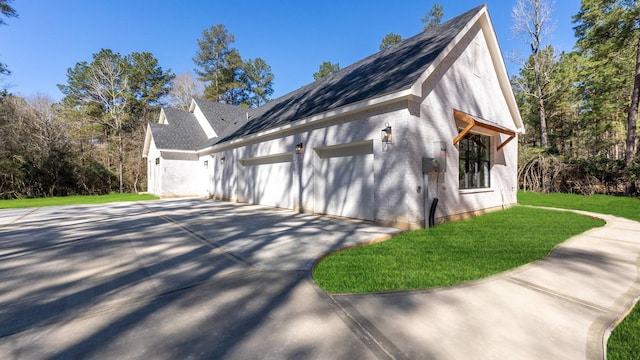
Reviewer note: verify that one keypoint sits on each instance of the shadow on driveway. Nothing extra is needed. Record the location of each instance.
(172, 279)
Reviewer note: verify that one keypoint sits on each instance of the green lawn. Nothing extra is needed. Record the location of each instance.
(451, 253)
(624, 342)
(466, 250)
(626, 207)
(74, 200)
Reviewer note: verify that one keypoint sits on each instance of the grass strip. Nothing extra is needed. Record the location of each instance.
(74, 200)
(451, 253)
(626, 207)
(624, 342)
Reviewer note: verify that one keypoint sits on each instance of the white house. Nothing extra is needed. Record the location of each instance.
(432, 117)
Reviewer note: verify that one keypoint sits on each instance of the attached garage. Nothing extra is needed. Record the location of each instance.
(320, 148)
(344, 184)
(267, 180)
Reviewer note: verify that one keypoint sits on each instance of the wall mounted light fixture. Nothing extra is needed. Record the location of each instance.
(386, 134)
(299, 148)
(222, 160)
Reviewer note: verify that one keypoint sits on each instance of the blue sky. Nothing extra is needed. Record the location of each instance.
(294, 37)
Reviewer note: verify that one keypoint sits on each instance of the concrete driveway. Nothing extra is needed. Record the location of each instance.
(172, 280)
(201, 279)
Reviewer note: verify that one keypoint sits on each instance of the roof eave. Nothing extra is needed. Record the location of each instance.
(179, 151)
(501, 70)
(147, 142)
(329, 115)
(496, 57)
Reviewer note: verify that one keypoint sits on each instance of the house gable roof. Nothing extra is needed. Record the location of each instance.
(219, 116)
(385, 72)
(179, 131)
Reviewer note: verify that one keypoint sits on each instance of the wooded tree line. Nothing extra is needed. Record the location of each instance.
(91, 141)
(580, 108)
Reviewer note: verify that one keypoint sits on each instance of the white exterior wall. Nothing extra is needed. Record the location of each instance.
(467, 81)
(154, 172)
(389, 161)
(183, 176)
(177, 175)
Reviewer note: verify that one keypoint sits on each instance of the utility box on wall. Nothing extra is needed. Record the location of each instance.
(437, 160)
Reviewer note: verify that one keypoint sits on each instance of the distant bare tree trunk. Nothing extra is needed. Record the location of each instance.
(108, 83)
(185, 87)
(531, 23)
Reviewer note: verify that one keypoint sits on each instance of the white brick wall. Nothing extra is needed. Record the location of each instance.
(466, 80)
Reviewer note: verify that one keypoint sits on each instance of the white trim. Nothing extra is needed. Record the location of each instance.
(267, 159)
(197, 112)
(475, 191)
(148, 137)
(501, 70)
(367, 104)
(482, 17)
(417, 86)
(194, 152)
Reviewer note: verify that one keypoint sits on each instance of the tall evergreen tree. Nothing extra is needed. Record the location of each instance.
(228, 78)
(606, 28)
(258, 81)
(326, 68)
(389, 40)
(8, 11)
(433, 17)
(212, 59)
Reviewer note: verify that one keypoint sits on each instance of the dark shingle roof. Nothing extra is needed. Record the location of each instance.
(181, 133)
(219, 115)
(385, 72)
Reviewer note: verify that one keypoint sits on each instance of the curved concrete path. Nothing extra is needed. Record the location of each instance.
(204, 279)
(561, 307)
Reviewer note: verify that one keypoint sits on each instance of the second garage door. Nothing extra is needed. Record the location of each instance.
(267, 180)
(344, 183)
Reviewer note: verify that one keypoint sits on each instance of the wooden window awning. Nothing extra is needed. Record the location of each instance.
(473, 121)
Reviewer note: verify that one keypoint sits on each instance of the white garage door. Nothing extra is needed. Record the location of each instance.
(267, 180)
(344, 180)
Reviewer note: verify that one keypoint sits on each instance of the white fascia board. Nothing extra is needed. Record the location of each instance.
(162, 119)
(417, 86)
(315, 119)
(501, 71)
(179, 151)
(147, 142)
(202, 121)
(192, 105)
(496, 57)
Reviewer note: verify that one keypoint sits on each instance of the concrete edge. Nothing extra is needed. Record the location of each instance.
(601, 329)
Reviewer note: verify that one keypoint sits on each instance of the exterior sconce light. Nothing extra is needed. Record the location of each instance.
(206, 164)
(386, 134)
(299, 148)
(222, 160)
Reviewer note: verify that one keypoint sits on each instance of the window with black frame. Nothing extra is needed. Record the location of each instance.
(475, 162)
